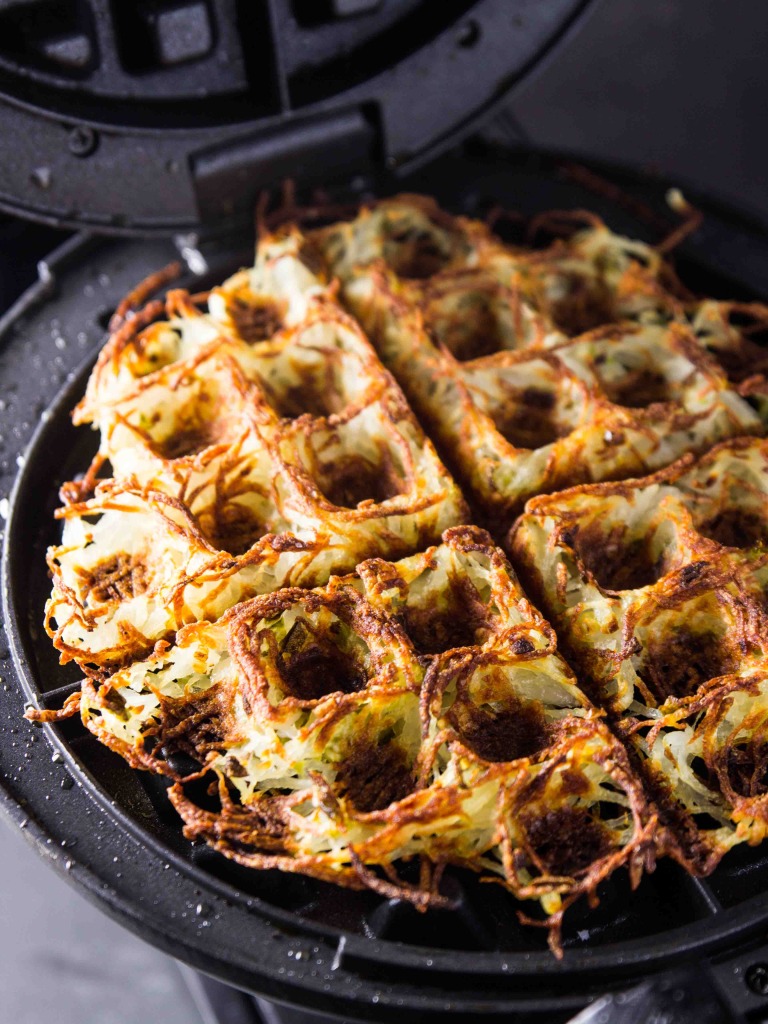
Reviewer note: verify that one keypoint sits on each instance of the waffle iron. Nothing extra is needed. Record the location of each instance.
(690, 949)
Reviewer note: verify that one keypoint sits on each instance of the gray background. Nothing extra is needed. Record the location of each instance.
(680, 86)
(64, 962)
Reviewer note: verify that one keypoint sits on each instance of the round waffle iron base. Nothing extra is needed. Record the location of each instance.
(112, 831)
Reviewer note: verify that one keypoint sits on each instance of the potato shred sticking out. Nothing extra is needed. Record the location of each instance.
(274, 586)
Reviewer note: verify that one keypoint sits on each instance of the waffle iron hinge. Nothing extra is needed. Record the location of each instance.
(741, 980)
(730, 988)
(228, 178)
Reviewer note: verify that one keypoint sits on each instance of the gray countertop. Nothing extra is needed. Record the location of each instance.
(63, 960)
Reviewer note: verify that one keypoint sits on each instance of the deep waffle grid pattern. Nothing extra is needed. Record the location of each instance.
(532, 863)
(225, 483)
(478, 335)
(321, 710)
(658, 589)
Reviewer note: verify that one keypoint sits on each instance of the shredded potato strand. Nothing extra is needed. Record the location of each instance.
(276, 605)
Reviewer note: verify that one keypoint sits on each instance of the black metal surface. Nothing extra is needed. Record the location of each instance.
(21, 245)
(113, 115)
(678, 87)
(290, 938)
(221, 1004)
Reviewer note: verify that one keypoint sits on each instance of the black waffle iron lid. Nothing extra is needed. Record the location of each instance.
(161, 116)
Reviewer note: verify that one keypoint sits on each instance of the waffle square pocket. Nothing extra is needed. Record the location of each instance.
(658, 590)
(253, 462)
(346, 736)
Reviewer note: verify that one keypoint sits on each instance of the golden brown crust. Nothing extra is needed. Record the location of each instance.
(233, 592)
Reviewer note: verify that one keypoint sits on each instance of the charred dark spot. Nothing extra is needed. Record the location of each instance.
(676, 664)
(287, 542)
(529, 420)
(747, 768)
(318, 395)
(319, 670)
(113, 700)
(518, 730)
(587, 304)
(523, 432)
(261, 827)
(690, 573)
(234, 768)
(354, 479)
(637, 389)
(735, 528)
(574, 783)
(232, 528)
(470, 331)
(522, 646)
(311, 255)
(463, 621)
(312, 666)
(414, 253)
(615, 562)
(433, 633)
(374, 776)
(537, 398)
(193, 439)
(744, 355)
(568, 841)
(118, 578)
(255, 321)
(192, 727)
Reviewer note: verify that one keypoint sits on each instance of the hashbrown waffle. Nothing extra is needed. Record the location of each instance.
(346, 729)
(253, 586)
(491, 350)
(207, 445)
(657, 588)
